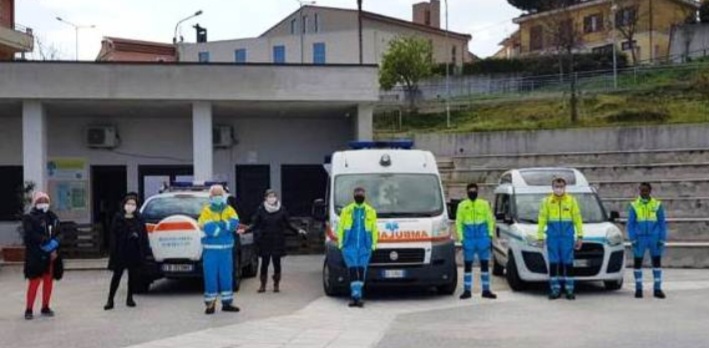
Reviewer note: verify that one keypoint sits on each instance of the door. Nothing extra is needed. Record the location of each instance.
(252, 181)
(301, 186)
(151, 179)
(503, 214)
(108, 187)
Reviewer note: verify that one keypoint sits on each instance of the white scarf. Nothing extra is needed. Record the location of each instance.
(272, 208)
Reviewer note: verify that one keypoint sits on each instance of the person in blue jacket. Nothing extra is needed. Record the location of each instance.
(219, 222)
(647, 231)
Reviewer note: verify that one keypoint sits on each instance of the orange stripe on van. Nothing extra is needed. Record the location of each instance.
(171, 227)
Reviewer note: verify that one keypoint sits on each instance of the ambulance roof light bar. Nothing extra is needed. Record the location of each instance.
(195, 185)
(391, 144)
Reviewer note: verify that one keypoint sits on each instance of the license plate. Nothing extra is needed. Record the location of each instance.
(394, 274)
(582, 263)
(178, 268)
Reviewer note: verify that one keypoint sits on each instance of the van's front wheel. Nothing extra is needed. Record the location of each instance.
(497, 269)
(516, 283)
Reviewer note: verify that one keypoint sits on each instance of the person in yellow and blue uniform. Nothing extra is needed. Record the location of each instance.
(561, 226)
(647, 231)
(357, 236)
(219, 222)
(475, 225)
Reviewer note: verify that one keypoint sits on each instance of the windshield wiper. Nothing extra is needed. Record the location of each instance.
(529, 221)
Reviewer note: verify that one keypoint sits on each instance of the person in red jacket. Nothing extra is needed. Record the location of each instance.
(41, 238)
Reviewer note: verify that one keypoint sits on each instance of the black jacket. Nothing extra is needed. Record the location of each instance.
(39, 229)
(128, 242)
(269, 231)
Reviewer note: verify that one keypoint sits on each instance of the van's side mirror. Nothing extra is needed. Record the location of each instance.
(614, 216)
(453, 209)
(319, 210)
(504, 218)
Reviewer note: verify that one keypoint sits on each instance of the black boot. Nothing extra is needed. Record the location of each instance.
(276, 282)
(210, 308)
(555, 295)
(47, 312)
(489, 295)
(570, 296)
(660, 294)
(264, 279)
(230, 308)
(466, 295)
(109, 305)
(360, 303)
(353, 303)
(130, 302)
(29, 315)
(638, 294)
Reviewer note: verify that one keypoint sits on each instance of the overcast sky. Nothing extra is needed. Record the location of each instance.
(489, 21)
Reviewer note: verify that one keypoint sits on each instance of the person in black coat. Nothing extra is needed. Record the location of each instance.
(269, 225)
(129, 244)
(41, 238)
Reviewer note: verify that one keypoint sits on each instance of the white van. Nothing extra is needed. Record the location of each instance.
(516, 249)
(415, 246)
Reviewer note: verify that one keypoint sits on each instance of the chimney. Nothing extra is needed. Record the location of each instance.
(428, 13)
(201, 33)
(435, 13)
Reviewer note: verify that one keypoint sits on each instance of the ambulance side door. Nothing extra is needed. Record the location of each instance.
(503, 217)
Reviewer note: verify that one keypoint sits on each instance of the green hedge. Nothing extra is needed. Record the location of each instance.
(536, 66)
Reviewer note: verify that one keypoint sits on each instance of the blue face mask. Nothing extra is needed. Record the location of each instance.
(216, 201)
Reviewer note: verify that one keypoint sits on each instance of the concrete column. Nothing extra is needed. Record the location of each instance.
(34, 144)
(364, 122)
(203, 157)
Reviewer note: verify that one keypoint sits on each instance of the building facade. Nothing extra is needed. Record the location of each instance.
(648, 23)
(14, 38)
(122, 127)
(323, 35)
(114, 49)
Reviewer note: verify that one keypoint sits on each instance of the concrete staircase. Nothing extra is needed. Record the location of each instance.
(680, 178)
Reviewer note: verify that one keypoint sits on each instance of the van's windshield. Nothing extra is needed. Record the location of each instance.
(393, 195)
(527, 207)
(161, 207)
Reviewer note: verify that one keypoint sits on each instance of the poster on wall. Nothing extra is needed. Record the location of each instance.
(69, 188)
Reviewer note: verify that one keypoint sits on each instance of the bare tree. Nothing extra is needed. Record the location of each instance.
(563, 36)
(45, 51)
(629, 17)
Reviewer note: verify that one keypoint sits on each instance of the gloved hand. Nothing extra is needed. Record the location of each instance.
(661, 243)
(50, 246)
(578, 244)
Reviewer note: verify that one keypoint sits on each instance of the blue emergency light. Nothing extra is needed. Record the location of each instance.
(186, 185)
(390, 144)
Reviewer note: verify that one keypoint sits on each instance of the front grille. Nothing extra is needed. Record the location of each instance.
(593, 253)
(534, 262)
(616, 262)
(404, 256)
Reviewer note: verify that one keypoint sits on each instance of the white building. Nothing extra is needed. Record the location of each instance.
(324, 35)
(173, 122)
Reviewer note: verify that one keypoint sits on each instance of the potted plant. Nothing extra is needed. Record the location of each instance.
(16, 253)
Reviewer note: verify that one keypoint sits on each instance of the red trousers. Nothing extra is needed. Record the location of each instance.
(47, 283)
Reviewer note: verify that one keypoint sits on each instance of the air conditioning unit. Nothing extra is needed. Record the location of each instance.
(102, 137)
(223, 136)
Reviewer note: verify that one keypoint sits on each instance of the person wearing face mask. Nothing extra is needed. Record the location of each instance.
(128, 246)
(561, 227)
(41, 238)
(269, 224)
(647, 231)
(219, 221)
(357, 236)
(475, 225)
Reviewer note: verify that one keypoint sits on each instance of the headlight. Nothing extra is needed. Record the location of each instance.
(614, 237)
(532, 241)
(443, 229)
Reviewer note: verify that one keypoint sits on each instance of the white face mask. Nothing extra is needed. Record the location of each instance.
(44, 207)
(559, 191)
(271, 200)
(130, 208)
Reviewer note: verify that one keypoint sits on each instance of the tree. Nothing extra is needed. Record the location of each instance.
(540, 5)
(627, 21)
(563, 37)
(408, 61)
(704, 12)
(44, 51)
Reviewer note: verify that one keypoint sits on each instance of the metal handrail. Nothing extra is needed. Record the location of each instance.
(23, 29)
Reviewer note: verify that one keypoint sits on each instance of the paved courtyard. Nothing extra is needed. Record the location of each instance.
(172, 316)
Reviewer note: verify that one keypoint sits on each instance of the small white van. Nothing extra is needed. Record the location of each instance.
(523, 259)
(404, 186)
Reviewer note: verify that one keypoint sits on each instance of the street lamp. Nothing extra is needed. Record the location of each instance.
(301, 20)
(359, 31)
(614, 10)
(448, 83)
(76, 33)
(174, 37)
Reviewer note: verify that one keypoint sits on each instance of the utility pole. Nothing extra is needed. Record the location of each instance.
(303, 27)
(652, 45)
(76, 34)
(448, 83)
(359, 19)
(614, 10)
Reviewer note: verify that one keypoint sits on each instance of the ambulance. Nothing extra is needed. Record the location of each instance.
(523, 259)
(404, 186)
(175, 236)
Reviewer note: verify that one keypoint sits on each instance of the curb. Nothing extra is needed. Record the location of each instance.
(69, 265)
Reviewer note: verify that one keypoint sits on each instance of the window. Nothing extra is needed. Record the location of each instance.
(10, 185)
(305, 24)
(162, 207)
(593, 24)
(316, 23)
(536, 38)
(628, 45)
(279, 54)
(626, 17)
(319, 53)
(527, 207)
(293, 26)
(454, 55)
(240, 56)
(203, 57)
(502, 205)
(603, 49)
